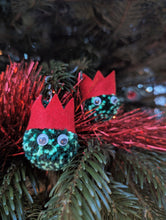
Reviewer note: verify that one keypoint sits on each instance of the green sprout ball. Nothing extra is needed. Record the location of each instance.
(104, 106)
(50, 149)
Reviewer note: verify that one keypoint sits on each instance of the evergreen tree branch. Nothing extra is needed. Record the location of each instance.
(14, 192)
(73, 196)
(144, 173)
(124, 205)
(59, 76)
(85, 191)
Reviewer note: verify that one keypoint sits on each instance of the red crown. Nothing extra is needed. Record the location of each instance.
(54, 116)
(100, 85)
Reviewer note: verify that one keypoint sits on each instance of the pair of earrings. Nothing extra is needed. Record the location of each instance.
(50, 140)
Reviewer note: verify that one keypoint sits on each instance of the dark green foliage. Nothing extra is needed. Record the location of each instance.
(85, 191)
(124, 34)
(59, 77)
(100, 183)
(14, 192)
(60, 74)
(145, 173)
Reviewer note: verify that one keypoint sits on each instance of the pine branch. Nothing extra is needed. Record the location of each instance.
(14, 191)
(59, 78)
(150, 211)
(144, 172)
(85, 191)
(74, 195)
(115, 16)
(125, 204)
(33, 211)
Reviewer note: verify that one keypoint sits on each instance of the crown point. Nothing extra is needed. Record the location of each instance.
(55, 104)
(99, 73)
(70, 104)
(100, 85)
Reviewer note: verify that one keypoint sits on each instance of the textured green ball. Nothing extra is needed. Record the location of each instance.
(46, 153)
(105, 106)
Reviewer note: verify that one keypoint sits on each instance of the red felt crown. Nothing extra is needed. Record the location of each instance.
(54, 116)
(100, 85)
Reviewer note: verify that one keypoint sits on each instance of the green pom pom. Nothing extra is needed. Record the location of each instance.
(105, 106)
(50, 149)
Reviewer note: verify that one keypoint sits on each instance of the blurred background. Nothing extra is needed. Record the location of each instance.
(126, 35)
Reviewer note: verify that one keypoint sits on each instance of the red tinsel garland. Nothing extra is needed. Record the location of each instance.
(20, 85)
(136, 128)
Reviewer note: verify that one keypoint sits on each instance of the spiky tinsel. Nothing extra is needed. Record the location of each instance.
(19, 87)
(137, 128)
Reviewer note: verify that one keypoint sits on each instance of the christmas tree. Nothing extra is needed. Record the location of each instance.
(50, 54)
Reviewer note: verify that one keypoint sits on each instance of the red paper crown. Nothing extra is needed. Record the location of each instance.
(54, 116)
(100, 85)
